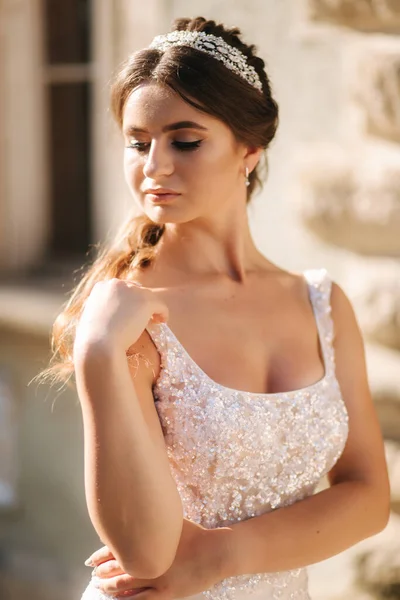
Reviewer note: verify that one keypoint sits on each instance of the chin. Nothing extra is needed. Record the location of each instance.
(162, 215)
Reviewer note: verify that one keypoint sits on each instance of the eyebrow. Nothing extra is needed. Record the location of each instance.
(171, 127)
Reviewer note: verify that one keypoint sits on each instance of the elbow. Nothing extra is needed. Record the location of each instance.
(144, 570)
(145, 567)
(381, 509)
(379, 524)
(157, 559)
(385, 507)
(372, 508)
(383, 517)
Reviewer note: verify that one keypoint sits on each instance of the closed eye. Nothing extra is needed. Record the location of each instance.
(181, 146)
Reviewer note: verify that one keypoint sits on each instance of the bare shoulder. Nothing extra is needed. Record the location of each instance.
(143, 356)
(349, 343)
(351, 369)
(343, 313)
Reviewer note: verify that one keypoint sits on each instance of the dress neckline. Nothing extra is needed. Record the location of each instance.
(309, 388)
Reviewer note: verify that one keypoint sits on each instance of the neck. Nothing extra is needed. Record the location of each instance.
(201, 248)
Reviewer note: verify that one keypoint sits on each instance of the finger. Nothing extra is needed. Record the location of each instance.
(99, 556)
(158, 308)
(159, 312)
(118, 584)
(109, 568)
(143, 594)
(148, 594)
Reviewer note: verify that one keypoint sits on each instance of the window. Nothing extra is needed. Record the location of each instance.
(69, 97)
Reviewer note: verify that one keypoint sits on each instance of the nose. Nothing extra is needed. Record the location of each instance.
(159, 161)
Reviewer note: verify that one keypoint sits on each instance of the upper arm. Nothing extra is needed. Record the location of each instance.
(363, 458)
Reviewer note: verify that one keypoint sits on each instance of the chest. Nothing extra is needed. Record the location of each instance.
(258, 347)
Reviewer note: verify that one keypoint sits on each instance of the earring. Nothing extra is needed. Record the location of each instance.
(247, 177)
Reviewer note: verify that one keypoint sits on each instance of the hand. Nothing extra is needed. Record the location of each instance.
(200, 562)
(117, 312)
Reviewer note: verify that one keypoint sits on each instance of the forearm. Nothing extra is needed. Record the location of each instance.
(304, 533)
(131, 496)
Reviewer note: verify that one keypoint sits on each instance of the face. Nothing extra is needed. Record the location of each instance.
(172, 145)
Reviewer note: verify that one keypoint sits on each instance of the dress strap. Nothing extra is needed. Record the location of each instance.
(320, 286)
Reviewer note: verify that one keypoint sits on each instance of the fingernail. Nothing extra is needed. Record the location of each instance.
(89, 563)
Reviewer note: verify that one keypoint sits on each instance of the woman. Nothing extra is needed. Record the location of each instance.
(206, 437)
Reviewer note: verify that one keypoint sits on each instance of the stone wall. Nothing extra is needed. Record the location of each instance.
(380, 15)
(350, 198)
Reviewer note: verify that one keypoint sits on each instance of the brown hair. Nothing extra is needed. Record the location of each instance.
(208, 85)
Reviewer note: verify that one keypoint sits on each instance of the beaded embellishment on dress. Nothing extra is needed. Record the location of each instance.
(236, 455)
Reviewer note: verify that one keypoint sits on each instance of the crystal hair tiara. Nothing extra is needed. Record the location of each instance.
(215, 46)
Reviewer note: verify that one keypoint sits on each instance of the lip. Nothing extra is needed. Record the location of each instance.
(161, 198)
(161, 195)
(159, 191)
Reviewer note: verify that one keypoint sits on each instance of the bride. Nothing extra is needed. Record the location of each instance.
(216, 388)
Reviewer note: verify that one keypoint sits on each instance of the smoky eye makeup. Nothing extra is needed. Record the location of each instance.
(180, 146)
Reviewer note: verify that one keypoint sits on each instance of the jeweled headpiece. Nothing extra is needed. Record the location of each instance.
(213, 45)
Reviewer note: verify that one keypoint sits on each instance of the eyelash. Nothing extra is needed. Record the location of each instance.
(181, 146)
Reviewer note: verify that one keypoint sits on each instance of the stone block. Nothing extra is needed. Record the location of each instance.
(352, 200)
(377, 304)
(368, 15)
(375, 87)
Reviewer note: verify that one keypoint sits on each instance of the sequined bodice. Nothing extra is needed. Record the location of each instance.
(235, 455)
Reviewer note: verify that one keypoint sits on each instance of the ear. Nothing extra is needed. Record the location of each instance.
(252, 157)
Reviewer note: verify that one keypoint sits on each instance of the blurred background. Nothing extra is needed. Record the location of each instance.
(332, 199)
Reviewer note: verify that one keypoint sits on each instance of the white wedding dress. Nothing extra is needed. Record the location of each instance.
(235, 455)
